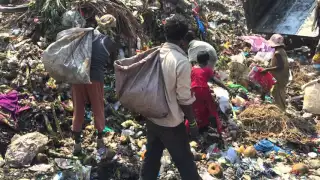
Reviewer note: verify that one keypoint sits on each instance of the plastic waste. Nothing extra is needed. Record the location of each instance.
(138, 43)
(127, 132)
(231, 155)
(238, 101)
(223, 98)
(40, 167)
(88, 114)
(165, 161)
(107, 129)
(101, 154)
(121, 54)
(68, 59)
(58, 176)
(263, 56)
(73, 18)
(257, 43)
(237, 86)
(311, 97)
(213, 151)
(206, 176)
(63, 163)
(116, 105)
(265, 81)
(312, 154)
(266, 146)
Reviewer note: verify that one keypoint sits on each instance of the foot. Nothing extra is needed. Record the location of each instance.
(77, 149)
(100, 143)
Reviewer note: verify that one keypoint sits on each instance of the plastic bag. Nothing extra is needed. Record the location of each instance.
(140, 85)
(265, 81)
(68, 59)
(311, 101)
(223, 98)
(73, 18)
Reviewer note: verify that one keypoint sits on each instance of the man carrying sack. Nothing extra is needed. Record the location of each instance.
(172, 81)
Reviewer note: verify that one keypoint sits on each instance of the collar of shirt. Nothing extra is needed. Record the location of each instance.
(168, 45)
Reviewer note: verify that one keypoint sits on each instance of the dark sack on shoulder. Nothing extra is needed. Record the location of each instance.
(140, 84)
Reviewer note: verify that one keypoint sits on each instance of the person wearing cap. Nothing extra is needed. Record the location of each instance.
(195, 46)
(279, 69)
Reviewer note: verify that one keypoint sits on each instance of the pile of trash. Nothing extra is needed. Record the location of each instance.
(261, 141)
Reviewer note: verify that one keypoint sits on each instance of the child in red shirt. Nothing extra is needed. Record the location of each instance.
(204, 107)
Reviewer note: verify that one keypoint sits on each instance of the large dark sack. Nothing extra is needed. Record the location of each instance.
(140, 84)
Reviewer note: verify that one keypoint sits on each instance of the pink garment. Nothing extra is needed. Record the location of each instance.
(9, 104)
(257, 43)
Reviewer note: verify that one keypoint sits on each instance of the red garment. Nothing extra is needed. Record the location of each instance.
(266, 81)
(201, 76)
(204, 106)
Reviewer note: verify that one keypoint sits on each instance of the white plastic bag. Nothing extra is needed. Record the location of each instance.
(263, 56)
(223, 98)
(68, 59)
(311, 102)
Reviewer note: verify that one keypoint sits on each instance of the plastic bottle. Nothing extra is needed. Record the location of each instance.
(138, 43)
(121, 54)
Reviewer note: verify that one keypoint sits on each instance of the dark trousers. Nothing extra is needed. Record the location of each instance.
(176, 141)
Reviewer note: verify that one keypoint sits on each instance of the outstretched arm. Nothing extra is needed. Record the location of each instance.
(219, 83)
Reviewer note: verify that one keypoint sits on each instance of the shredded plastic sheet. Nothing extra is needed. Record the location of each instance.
(68, 59)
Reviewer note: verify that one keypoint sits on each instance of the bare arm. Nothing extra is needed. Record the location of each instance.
(184, 96)
(188, 112)
(279, 66)
(219, 83)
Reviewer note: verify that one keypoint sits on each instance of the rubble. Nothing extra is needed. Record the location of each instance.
(23, 149)
(45, 145)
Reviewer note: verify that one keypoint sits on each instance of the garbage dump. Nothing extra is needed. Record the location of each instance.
(260, 140)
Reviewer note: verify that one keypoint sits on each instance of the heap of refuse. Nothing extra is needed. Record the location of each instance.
(261, 141)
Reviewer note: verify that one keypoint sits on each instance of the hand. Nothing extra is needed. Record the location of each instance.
(194, 131)
(264, 71)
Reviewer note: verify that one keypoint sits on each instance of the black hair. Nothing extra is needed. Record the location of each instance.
(190, 36)
(176, 28)
(203, 57)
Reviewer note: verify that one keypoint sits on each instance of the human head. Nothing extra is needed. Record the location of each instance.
(276, 40)
(175, 28)
(190, 36)
(203, 57)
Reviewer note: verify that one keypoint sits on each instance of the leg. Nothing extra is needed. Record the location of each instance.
(200, 110)
(177, 142)
(279, 95)
(212, 108)
(96, 98)
(151, 164)
(78, 99)
(263, 95)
